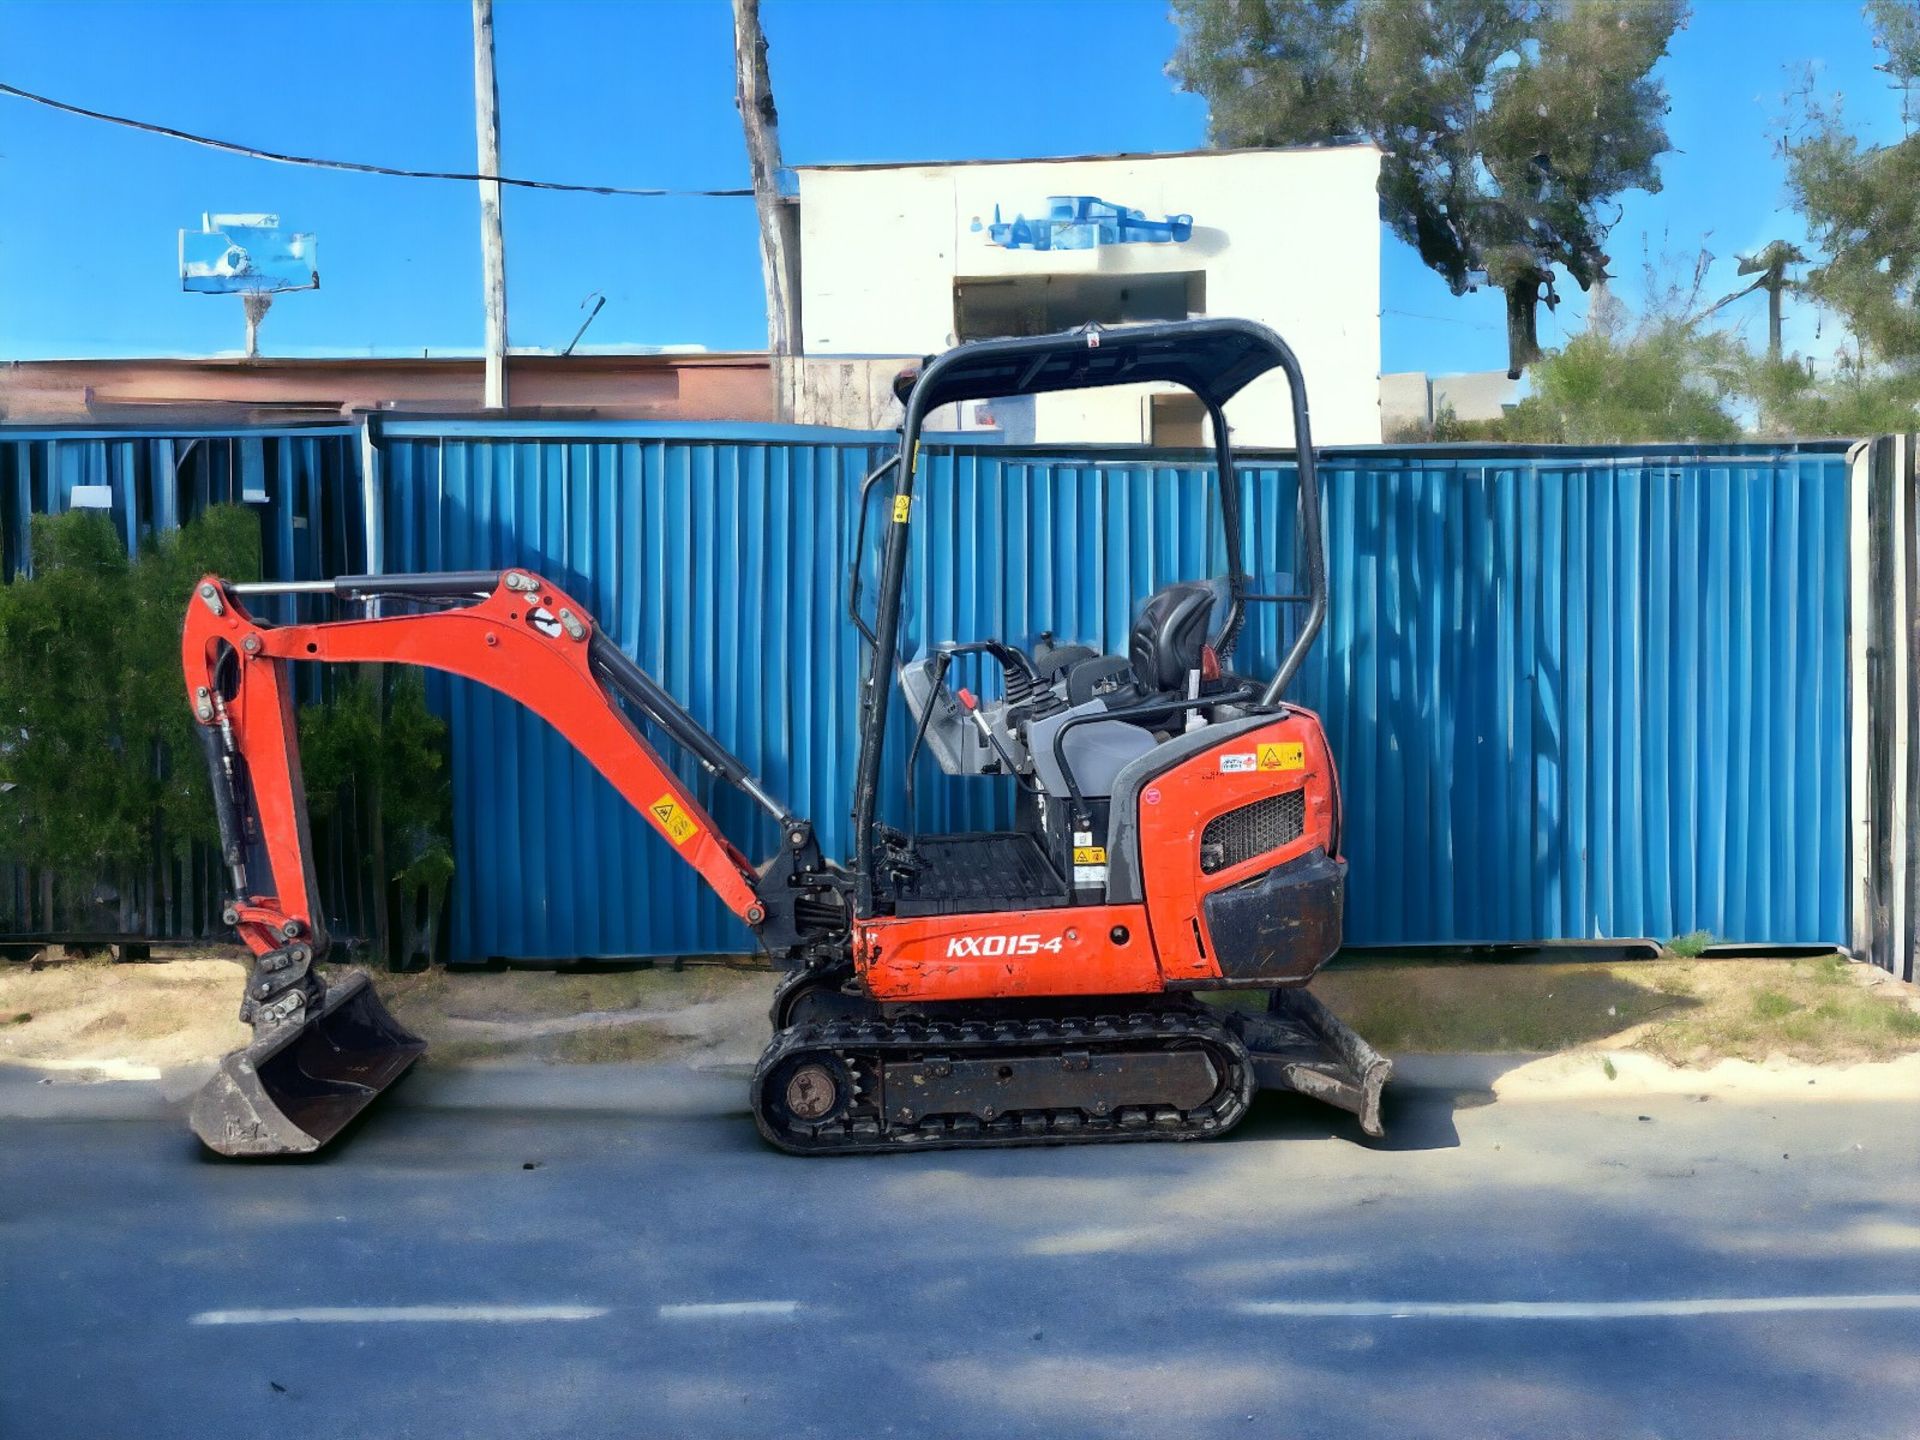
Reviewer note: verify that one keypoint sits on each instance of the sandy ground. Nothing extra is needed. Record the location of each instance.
(1764, 1027)
(101, 1020)
(1685, 1012)
(97, 1020)
(703, 1016)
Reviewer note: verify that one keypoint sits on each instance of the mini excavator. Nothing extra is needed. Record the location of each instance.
(1176, 829)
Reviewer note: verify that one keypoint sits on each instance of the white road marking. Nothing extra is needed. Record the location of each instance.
(728, 1309)
(1572, 1309)
(392, 1314)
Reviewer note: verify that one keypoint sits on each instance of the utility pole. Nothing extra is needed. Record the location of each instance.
(486, 115)
(1770, 264)
(779, 224)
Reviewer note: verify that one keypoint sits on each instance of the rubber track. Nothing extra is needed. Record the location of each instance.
(862, 1044)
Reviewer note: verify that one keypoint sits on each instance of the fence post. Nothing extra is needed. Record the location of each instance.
(1860, 701)
(1883, 669)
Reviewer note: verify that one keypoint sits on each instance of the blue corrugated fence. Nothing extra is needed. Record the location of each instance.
(1572, 693)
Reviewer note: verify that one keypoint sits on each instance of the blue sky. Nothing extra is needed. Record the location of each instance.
(641, 94)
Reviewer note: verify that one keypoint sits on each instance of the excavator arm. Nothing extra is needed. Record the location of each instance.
(517, 633)
(525, 638)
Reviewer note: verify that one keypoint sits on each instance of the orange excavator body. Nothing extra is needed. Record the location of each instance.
(1165, 943)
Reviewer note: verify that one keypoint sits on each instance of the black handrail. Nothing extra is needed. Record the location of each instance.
(860, 545)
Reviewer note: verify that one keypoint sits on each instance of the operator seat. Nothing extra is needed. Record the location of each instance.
(1163, 650)
(1167, 640)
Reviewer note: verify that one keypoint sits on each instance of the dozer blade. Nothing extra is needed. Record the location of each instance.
(1299, 1044)
(299, 1084)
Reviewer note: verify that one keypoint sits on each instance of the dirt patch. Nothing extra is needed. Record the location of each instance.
(121, 1021)
(100, 1020)
(1683, 1012)
(1588, 1074)
(709, 1015)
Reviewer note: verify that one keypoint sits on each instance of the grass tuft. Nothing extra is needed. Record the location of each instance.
(1690, 946)
(1774, 1005)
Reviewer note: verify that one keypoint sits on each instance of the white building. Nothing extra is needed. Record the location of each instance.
(901, 261)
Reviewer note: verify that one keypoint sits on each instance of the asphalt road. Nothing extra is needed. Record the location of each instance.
(463, 1266)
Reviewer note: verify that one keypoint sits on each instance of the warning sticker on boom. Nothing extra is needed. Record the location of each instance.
(676, 822)
(1283, 755)
(902, 508)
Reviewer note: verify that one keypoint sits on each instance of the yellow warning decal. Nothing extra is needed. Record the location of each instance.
(1283, 755)
(902, 507)
(679, 826)
(1089, 855)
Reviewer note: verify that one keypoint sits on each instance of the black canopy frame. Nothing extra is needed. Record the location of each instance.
(1215, 359)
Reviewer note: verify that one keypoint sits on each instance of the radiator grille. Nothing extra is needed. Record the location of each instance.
(1252, 830)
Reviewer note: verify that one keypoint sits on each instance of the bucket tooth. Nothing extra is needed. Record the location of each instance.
(308, 1071)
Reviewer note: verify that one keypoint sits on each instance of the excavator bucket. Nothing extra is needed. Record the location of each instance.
(302, 1080)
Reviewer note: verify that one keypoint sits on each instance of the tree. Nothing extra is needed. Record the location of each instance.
(97, 756)
(1506, 126)
(1862, 206)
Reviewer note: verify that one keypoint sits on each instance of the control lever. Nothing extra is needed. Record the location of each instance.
(972, 706)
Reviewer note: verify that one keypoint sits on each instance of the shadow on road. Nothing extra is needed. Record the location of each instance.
(1415, 1119)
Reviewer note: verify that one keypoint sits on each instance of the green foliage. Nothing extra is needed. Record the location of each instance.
(1773, 1005)
(98, 758)
(1667, 375)
(1666, 382)
(1672, 380)
(1851, 401)
(1896, 25)
(1690, 946)
(1449, 427)
(1506, 126)
(95, 734)
(1862, 205)
(397, 762)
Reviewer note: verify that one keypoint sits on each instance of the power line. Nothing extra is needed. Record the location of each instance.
(1442, 319)
(357, 167)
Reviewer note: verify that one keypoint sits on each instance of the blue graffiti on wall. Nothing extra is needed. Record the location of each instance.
(1082, 222)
